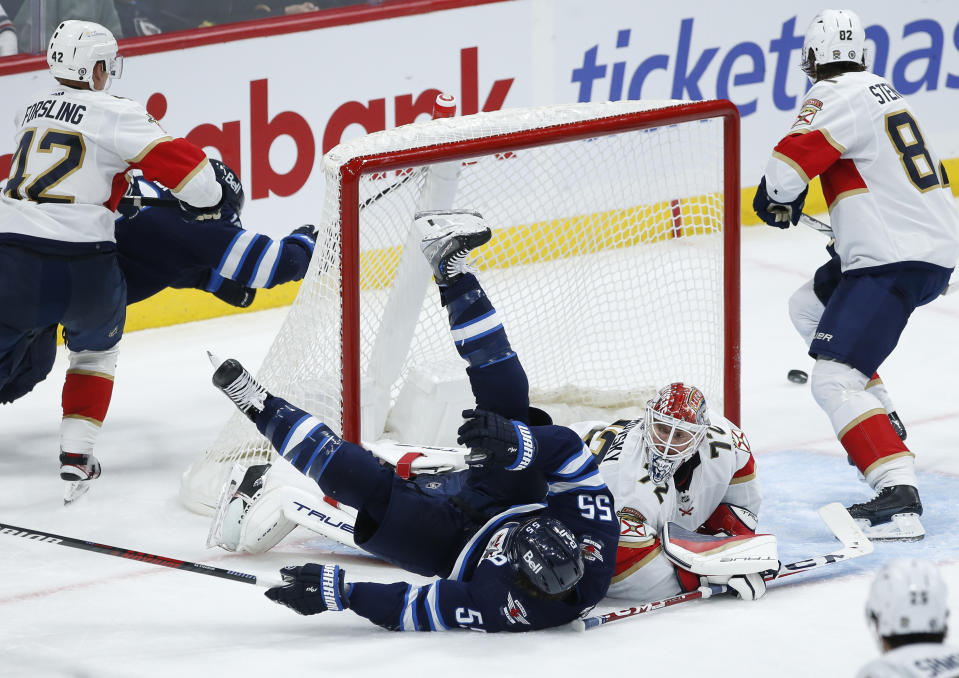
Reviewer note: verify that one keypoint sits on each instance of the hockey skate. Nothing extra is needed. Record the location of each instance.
(239, 491)
(892, 515)
(239, 386)
(78, 470)
(449, 236)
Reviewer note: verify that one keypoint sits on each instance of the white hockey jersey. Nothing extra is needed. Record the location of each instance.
(888, 194)
(723, 472)
(72, 150)
(919, 660)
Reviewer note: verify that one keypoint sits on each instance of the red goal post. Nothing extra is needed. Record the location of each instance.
(614, 262)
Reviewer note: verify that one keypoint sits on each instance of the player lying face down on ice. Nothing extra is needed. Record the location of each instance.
(174, 245)
(464, 525)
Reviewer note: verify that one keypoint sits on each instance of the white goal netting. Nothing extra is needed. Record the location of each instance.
(606, 264)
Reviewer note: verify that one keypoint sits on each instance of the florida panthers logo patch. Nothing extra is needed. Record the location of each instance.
(632, 523)
(808, 111)
(739, 439)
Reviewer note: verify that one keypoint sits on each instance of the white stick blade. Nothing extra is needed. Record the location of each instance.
(838, 520)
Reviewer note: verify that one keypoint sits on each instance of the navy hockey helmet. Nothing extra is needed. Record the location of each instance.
(546, 552)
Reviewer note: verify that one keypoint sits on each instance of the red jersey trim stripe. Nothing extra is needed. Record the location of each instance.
(841, 181)
(629, 561)
(173, 163)
(809, 153)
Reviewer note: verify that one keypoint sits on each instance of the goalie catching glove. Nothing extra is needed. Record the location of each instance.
(311, 589)
(496, 440)
(738, 562)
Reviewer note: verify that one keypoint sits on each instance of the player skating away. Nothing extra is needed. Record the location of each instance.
(527, 544)
(161, 246)
(58, 261)
(907, 610)
(897, 238)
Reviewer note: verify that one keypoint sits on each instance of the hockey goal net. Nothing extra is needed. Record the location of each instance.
(614, 264)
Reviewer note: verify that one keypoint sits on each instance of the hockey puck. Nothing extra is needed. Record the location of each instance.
(797, 376)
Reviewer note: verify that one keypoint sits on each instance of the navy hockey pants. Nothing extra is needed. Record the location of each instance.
(85, 293)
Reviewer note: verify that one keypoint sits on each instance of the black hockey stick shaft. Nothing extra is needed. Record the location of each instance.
(130, 554)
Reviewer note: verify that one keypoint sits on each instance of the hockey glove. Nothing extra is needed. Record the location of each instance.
(496, 440)
(778, 214)
(311, 589)
(745, 586)
(231, 200)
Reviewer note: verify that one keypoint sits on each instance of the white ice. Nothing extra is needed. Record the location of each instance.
(65, 612)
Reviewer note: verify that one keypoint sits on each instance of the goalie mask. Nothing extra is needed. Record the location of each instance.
(674, 426)
(77, 46)
(833, 36)
(907, 596)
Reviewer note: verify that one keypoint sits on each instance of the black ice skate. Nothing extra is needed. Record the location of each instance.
(78, 470)
(449, 235)
(239, 386)
(892, 515)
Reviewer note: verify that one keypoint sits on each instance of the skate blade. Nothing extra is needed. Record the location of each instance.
(74, 490)
(215, 536)
(903, 527)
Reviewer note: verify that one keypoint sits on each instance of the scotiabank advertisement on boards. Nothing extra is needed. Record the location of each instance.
(271, 106)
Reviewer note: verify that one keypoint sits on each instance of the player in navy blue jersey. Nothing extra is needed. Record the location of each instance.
(528, 543)
(160, 248)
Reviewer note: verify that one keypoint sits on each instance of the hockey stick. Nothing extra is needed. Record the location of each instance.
(196, 568)
(835, 516)
(826, 229)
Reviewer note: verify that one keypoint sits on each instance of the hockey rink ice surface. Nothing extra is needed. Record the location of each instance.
(65, 612)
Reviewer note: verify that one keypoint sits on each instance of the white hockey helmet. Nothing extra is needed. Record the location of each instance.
(907, 596)
(834, 35)
(76, 47)
(673, 428)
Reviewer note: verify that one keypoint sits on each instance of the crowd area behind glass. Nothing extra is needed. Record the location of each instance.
(26, 25)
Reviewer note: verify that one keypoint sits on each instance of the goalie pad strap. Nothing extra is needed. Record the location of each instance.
(717, 556)
(404, 467)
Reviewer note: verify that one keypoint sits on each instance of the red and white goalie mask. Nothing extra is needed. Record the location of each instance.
(674, 427)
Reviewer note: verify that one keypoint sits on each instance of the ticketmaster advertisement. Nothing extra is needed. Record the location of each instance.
(270, 106)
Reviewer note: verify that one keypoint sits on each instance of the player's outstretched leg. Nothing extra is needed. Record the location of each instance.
(344, 471)
(449, 236)
(496, 375)
(239, 386)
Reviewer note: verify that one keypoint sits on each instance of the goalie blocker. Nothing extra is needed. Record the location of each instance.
(738, 562)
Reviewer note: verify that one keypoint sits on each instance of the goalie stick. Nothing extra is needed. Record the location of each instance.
(196, 568)
(835, 516)
(826, 229)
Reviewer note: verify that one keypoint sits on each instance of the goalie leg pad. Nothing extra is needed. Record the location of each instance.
(710, 556)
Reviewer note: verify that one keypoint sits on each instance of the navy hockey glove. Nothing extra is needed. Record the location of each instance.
(231, 201)
(311, 589)
(494, 439)
(778, 214)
